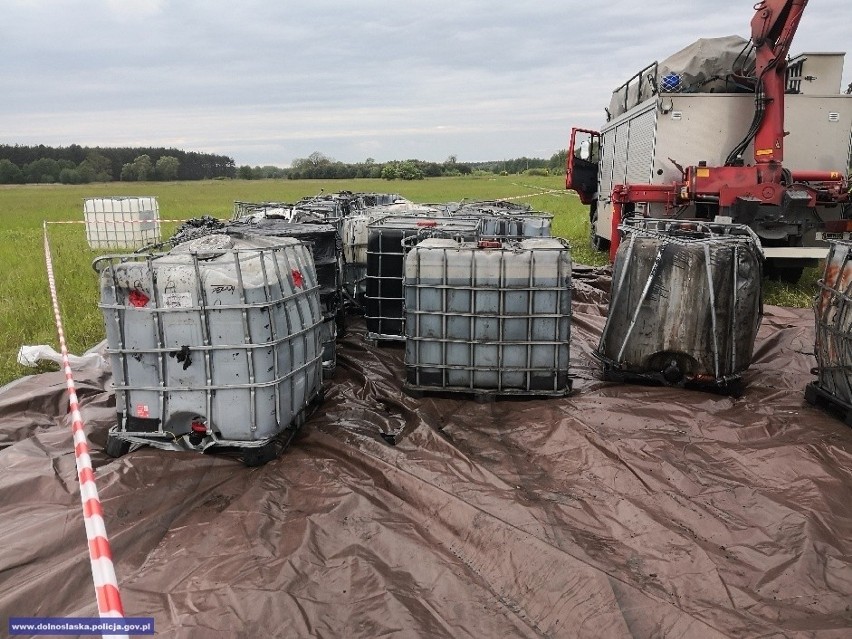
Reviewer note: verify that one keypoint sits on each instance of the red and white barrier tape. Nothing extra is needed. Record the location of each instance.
(100, 554)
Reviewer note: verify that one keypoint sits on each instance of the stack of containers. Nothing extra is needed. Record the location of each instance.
(388, 239)
(685, 305)
(244, 210)
(213, 345)
(354, 234)
(490, 317)
(505, 219)
(121, 222)
(322, 240)
(833, 349)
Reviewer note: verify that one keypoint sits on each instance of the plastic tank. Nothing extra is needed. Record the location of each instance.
(504, 219)
(488, 316)
(685, 304)
(216, 343)
(121, 222)
(326, 249)
(833, 347)
(354, 233)
(385, 262)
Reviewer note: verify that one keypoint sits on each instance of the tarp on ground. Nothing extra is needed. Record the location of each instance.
(619, 511)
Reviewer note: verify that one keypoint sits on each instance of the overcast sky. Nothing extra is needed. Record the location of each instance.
(266, 81)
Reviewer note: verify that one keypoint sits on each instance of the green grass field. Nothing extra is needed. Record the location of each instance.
(26, 316)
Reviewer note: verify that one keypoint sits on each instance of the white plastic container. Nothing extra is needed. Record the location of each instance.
(488, 316)
(121, 222)
(216, 343)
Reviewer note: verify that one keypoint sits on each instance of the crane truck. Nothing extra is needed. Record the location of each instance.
(769, 141)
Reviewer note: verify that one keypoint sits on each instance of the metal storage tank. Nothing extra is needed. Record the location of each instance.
(325, 246)
(121, 222)
(833, 347)
(385, 262)
(213, 345)
(685, 304)
(489, 316)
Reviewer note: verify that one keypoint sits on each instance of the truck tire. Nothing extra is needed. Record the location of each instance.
(598, 243)
(782, 273)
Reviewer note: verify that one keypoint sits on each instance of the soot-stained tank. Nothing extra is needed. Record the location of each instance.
(833, 346)
(326, 249)
(488, 317)
(685, 305)
(388, 239)
(502, 219)
(214, 345)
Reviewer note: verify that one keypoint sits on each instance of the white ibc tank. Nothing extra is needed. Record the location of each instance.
(488, 316)
(215, 343)
(121, 222)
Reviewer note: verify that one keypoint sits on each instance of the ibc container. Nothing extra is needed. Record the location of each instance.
(325, 246)
(214, 344)
(383, 297)
(685, 304)
(488, 316)
(256, 210)
(833, 345)
(354, 233)
(121, 222)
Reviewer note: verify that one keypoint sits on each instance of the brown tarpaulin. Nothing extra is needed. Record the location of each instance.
(619, 511)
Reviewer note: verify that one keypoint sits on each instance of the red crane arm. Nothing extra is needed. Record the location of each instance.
(772, 29)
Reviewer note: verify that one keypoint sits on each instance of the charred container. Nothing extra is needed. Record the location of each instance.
(214, 345)
(833, 348)
(488, 317)
(685, 305)
(388, 239)
(504, 219)
(355, 232)
(326, 249)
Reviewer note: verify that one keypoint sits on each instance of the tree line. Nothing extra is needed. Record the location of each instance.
(320, 166)
(20, 164)
(77, 165)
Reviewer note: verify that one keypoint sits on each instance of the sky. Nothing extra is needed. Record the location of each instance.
(268, 81)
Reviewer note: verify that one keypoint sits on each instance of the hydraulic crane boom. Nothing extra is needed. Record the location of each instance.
(772, 29)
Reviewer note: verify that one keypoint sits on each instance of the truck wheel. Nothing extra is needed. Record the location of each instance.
(598, 243)
(786, 274)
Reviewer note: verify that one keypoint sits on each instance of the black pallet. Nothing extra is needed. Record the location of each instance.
(821, 398)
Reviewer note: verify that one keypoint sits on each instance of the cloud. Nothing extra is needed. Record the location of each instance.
(265, 82)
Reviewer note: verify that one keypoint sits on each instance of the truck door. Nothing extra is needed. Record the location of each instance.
(581, 173)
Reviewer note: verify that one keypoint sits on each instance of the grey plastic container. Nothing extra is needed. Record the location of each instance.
(685, 304)
(326, 250)
(388, 240)
(488, 316)
(502, 219)
(833, 320)
(215, 344)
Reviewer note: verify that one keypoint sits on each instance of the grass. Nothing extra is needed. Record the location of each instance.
(26, 316)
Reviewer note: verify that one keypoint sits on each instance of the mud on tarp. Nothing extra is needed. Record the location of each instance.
(620, 511)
